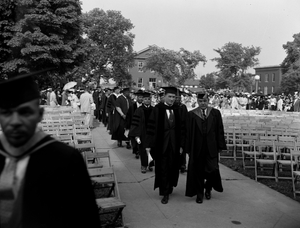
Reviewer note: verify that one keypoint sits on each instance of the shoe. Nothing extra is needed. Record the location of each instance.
(150, 168)
(199, 198)
(207, 194)
(137, 156)
(143, 169)
(128, 146)
(165, 199)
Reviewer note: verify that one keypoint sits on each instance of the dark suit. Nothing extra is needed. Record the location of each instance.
(57, 190)
(205, 138)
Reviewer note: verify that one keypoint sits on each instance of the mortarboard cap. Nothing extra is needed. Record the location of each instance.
(146, 94)
(139, 92)
(125, 90)
(201, 95)
(27, 90)
(170, 89)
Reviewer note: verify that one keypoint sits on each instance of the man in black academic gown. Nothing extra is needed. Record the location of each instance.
(166, 133)
(133, 107)
(120, 124)
(97, 94)
(138, 129)
(111, 108)
(205, 139)
(103, 105)
(43, 182)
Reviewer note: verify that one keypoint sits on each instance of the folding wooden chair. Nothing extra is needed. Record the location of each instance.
(248, 150)
(284, 149)
(85, 147)
(83, 139)
(230, 143)
(96, 157)
(295, 157)
(265, 155)
(111, 205)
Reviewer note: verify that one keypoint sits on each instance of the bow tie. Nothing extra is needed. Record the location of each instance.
(168, 107)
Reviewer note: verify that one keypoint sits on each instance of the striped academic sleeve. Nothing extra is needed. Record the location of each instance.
(136, 119)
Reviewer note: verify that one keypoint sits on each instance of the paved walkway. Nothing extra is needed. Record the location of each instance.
(244, 202)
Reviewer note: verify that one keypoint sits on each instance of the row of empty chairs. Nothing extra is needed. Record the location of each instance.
(268, 142)
(68, 127)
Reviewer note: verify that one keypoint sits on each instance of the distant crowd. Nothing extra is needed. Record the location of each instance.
(220, 100)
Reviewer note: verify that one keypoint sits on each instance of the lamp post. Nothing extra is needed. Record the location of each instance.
(256, 77)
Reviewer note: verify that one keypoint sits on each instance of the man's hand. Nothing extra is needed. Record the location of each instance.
(138, 140)
(180, 150)
(124, 116)
(148, 149)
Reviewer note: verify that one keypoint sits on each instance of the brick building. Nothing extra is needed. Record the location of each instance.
(141, 78)
(270, 78)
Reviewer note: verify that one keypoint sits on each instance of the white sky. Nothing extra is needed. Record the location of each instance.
(205, 25)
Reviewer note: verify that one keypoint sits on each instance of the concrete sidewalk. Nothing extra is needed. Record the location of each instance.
(244, 202)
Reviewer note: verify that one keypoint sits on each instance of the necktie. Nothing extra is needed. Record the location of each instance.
(6, 191)
(171, 116)
(203, 113)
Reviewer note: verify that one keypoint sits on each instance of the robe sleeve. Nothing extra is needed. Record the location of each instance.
(136, 124)
(220, 134)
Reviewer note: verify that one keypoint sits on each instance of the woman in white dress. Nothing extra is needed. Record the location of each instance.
(74, 101)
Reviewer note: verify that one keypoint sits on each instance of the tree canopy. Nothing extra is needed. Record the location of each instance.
(41, 34)
(111, 44)
(234, 61)
(208, 81)
(174, 66)
(291, 66)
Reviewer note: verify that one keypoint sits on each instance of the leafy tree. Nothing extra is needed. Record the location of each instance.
(174, 67)
(208, 81)
(234, 61)
(290, 82)
(111, 44)
(222, 82)
(291, 66)
(43, 34)
(7, 20)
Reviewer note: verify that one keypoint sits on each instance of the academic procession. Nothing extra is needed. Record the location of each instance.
(118, 157)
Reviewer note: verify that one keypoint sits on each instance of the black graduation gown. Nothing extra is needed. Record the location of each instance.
(57, 191)
(103, 109)
(204, 140)
(166, 141)
(110, 107)
(120, 124)
(139, 129)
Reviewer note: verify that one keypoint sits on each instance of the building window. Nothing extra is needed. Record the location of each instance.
(272, 89)
(152, 83)
(267, 78)
(273, 77)
(265, 90)
(140, 82)
(140, 66)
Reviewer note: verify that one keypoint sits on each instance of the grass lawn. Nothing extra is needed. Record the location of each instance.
(282, 186)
